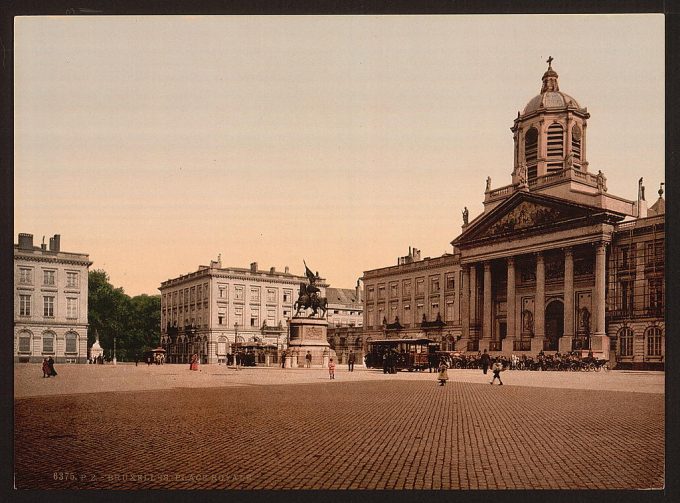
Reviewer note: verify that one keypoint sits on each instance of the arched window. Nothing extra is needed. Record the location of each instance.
(48, 342)
(24, 342)
(531, 152)
(222, 346)
(555, 146)
(71, 343)
(576, 145)
(626, 342)
(653, 338)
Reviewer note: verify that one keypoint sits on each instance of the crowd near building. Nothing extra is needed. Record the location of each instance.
(50, 302)
(554, 263)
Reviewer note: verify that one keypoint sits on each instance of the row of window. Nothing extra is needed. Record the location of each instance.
(49, 277)
(408, 318)
(48, 343)
(223, 318)
(626, 255)
(653, 341)
(406, 288)
(653, 294)
(194, 294)
(48, 305)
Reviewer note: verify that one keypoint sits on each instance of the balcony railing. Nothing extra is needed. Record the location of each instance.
(521, 346)
(645, 312)
(550, 345)
(495, 345)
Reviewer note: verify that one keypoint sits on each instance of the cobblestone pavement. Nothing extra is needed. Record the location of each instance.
(356, 433)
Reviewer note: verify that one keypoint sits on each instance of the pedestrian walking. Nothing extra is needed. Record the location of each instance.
(194, 362)
(443, 375)
(350, 361)
(308, 360)
(486, 361)
(283, 359)
(496, 369)
(50, 364)
(331, 368)
(45, 368)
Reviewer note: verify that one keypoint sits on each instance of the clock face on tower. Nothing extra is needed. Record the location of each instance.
(576, 133)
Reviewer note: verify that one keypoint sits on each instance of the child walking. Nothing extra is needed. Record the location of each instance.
(331, 368)
(497, 368)
(443, 373)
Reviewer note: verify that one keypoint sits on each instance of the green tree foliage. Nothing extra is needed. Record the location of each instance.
(134, 322)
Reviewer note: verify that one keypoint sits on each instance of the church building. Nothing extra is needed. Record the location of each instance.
(554, 263)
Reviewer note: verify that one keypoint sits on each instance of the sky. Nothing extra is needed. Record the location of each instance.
(155, 144)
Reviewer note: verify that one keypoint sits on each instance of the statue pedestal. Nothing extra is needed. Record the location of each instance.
(310, 334)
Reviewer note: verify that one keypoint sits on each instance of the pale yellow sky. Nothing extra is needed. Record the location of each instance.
(156, 143)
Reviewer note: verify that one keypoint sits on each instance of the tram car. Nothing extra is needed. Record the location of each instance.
(400, 354)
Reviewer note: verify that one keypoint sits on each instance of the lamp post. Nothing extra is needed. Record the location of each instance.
(114, 351)
(235, 343)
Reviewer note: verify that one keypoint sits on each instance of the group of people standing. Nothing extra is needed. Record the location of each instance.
(48, 367)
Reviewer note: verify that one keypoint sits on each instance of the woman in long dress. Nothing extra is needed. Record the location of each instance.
(194, 362)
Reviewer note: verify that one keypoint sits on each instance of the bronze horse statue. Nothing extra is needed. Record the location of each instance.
(307, 300)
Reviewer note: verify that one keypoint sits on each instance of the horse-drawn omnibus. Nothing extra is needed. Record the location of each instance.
(400, 354)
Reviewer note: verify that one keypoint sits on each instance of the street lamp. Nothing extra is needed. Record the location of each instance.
(235, 343)
(114, 351)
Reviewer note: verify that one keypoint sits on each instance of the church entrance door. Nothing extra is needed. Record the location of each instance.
(554, 324)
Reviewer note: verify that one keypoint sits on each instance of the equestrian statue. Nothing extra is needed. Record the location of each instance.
(309, 297)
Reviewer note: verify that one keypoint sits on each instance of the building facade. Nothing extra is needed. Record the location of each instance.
(50, 302)
(539, 269)
(205, 312)
(345, 307)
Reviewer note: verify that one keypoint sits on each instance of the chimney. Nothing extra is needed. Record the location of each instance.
(272, 270)
(25, 241)
(253, 267)
(287, 269)
(358, 293)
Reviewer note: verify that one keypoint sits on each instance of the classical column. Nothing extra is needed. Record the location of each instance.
(600, 300)
(511, 308)
(568, 292)
(539, 300)
(465, 303)
(486, 315)
(473, 294)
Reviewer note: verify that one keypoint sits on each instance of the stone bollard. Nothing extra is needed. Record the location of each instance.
(294, 361)
(289, 361)
(325, 361)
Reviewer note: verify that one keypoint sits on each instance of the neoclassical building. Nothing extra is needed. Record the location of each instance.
(553, 263)
(50, 302)
(206, 311)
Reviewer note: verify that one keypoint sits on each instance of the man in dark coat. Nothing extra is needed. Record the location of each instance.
(485, 360)
(350, 361)
(50, 364)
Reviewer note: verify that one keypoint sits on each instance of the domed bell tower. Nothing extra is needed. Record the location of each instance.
(550, 135)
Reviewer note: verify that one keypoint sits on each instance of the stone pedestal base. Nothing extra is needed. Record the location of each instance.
(537, 345)
(310, 334)
(508, 345)
(565, 344)
(599, 344)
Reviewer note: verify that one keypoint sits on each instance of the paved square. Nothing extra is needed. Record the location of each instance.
(226, 429)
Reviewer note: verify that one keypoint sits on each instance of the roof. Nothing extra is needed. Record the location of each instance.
(550, 99)
(397, 341)
(658, 208)
(342, 296)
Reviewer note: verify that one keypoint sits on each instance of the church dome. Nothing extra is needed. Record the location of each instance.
(550, 99)
(551, 96)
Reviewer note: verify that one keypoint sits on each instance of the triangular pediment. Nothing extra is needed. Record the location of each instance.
(525, 213)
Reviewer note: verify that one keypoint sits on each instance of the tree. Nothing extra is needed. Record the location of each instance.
(134, 322)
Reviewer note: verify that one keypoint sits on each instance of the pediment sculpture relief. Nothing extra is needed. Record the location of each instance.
(523, 216)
